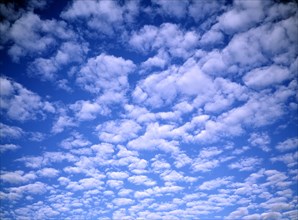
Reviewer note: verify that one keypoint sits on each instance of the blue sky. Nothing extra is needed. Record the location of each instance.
(149, 110)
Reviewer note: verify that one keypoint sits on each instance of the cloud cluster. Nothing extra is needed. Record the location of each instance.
(19, 103)
(149, 110)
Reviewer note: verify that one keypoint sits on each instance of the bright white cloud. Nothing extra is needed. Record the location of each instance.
(106, 75)
(30, 35)
(48, 172)
(87, 110)
(141, 180)
(148, 110)
(62, 122)
(289, 144)
(260, 140)
(102, 16)
(174, 8)
(21, 104)
(69, 52)
(10, 131)
(8, 147)
(117, 132)
(122, 201)
(246, 164)
(213, 184)
(242, 17)
(118, 175)
(76, 140)
(266, 76)
(17, 177)
(153, 38)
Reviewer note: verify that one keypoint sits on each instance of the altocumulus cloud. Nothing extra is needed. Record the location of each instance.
(173, 109)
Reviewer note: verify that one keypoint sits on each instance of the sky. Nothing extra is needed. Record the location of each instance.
(149, 109)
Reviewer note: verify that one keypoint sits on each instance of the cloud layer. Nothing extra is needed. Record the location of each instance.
(149, 110)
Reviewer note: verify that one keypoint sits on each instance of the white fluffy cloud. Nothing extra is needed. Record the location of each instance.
(106, 75)
(102, 16)
(62, 122)
(31, 35)
(10, 131)
(213, 184)
(141, 180)
(76, 140)
(289, 144)
(246, 164)
(243, 16)
(69, 52)
(260, 140)
(173, 8)
(48, 172)
(87, 110)
(17, 177)
(117, 132)
(266, 76)
(8, 147)
(21, 104)
(148, 110)
(151, 38)
(122, 201)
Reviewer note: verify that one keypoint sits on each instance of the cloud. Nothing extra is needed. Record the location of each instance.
(213, 184)
(155, 138)
(10, 131)
(253, 113)
(102, 16)
(159, 165)
(82, 184)
(141, 180)
(155, 191)
(117, 175)
(118, 131)
(20, 104)
(266, 76)
(212, 37)
(16, 193)
(260, 140)
(106, 75)
(289, 144)
(158, 61)
(46, 159)
(151, 38)
(17, 177)
(61, 123)
(163, 88)
(8, 147)
(117, 184)
(48, 172)
(76, 140)
(207, 10)
(271, 215)
(174, 8)
(70, 52)
(289, 159)
(103, 148)
(159, 110)
(32, 36)
(260, 45)
(240, 212)
(86, 110)
(122, 201)
(205, 165)
(246, 164)
(125, 192)
(242, 17)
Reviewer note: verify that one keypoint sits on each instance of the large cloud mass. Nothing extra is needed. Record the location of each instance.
(172, 109)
